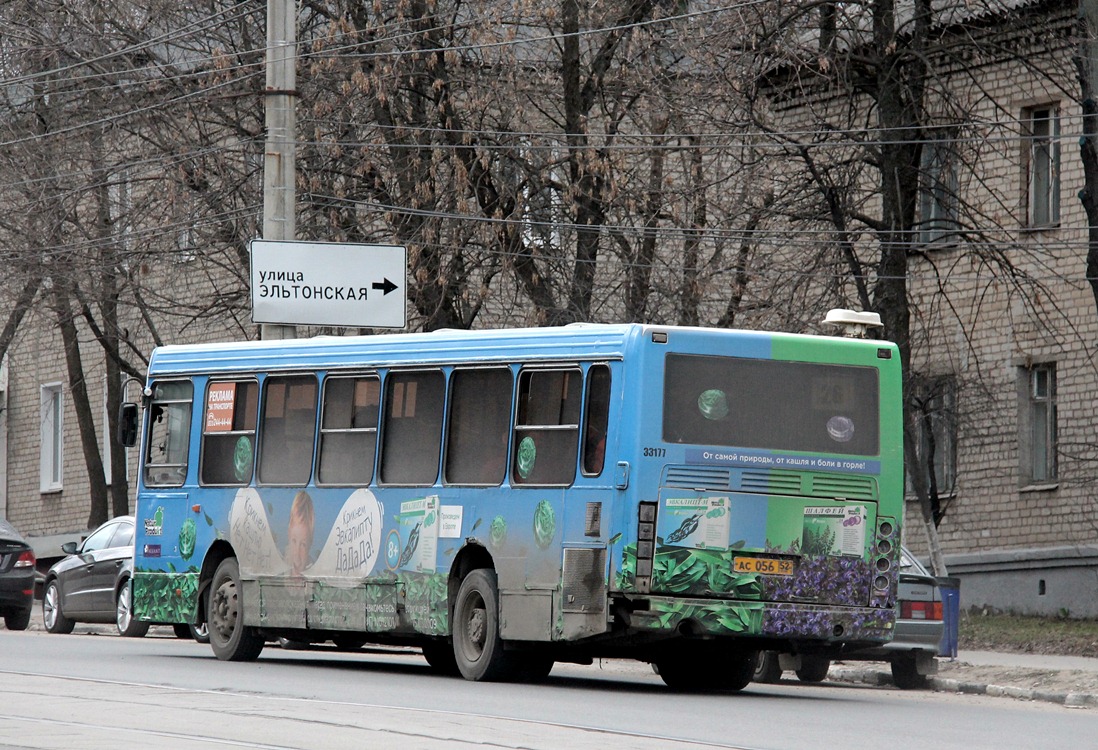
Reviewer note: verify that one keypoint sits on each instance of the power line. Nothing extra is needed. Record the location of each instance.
(755, 269)
(200, 25)
(173, 35)
(862, 135)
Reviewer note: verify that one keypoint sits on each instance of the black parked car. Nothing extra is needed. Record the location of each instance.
(16, 578)
(92, 584)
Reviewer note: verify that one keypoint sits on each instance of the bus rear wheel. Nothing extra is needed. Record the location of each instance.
(768, 669)
(478, 647)
(704, 670)
(813, 668)
(533, 667)
(440, 657)
(230, 638)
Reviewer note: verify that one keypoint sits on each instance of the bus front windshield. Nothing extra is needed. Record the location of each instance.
(771, 404)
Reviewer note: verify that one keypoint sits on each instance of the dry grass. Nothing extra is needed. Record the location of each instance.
(1037, 635)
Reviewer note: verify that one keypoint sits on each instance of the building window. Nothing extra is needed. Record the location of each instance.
(51, 467)
(938, 194)
(1043, 130)
(934, 403)
(105, 436)
(1038, 424)
(121, 207)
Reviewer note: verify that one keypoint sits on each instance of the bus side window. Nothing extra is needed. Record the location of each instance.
(596, 419)
(287, 430)
(411, 434)
(547, 427)
(228, 432)
(169, 436)
(348, 430)
(480, 418)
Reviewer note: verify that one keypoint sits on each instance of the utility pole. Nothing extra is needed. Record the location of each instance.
(280, 95)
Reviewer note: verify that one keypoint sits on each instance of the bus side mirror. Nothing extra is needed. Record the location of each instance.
(127, 424)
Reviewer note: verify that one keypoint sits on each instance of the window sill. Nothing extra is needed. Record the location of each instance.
(940, 245)
(1047, 487)
(1038, 229)
(910, 496)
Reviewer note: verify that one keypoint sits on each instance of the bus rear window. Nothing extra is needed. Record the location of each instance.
(771, 404)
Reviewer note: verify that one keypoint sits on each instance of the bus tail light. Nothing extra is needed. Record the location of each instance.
(920, 610)
(646, 543)
(884, 563)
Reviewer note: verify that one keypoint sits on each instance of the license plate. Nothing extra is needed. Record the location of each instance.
(764, 565)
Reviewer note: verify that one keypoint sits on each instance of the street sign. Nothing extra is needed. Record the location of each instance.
(332, 284)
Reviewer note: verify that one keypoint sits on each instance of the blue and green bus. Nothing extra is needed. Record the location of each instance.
(507, 499)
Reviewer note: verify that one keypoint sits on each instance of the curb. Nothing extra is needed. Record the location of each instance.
(950, 685)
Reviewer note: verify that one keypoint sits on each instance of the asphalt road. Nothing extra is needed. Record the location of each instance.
(88, 691)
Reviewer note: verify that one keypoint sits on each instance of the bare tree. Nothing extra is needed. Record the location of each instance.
(877, 104)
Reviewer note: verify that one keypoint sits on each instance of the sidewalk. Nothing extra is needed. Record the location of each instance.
(1070, 681)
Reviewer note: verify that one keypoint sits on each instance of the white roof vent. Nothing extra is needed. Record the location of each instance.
(853, 324)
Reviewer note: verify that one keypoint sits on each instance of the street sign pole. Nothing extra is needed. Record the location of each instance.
(279, 219)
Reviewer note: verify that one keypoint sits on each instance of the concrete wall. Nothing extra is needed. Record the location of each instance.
(1044, 581)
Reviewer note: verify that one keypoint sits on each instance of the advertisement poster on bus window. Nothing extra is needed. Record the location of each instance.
(220, 399)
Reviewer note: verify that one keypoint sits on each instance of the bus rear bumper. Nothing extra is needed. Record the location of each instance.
(709, 618)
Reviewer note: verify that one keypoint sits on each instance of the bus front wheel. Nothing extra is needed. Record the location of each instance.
(478, 648)
(230, 638)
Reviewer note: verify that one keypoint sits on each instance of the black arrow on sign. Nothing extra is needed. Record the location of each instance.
(385, 287)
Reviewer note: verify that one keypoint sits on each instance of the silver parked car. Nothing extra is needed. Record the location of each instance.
(92, 584)
(911, 653)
